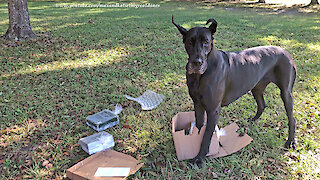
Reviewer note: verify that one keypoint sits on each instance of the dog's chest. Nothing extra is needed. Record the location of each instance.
(193, 83)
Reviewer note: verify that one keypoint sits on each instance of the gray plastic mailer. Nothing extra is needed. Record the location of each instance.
(148, 100)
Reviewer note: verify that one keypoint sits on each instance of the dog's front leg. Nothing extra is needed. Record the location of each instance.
(213, 116)
(198, 108)
(199, 113)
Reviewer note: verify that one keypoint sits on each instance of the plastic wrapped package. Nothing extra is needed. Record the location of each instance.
(97, 142)
(104, 119)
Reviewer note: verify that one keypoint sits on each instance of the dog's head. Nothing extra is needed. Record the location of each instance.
(198, 43)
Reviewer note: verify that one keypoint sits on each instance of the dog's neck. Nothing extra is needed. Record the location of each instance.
(211, 57)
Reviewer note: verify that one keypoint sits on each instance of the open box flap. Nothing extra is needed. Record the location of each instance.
(232, 142)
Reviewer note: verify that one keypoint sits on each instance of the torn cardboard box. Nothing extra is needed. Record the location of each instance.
(105, 162)
(188, 146)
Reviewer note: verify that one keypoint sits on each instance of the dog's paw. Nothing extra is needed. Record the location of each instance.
(197, 161)
(290, 144)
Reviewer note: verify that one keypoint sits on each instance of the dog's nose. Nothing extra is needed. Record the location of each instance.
(197, 62)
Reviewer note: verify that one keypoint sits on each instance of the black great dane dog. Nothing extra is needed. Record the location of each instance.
(217, 78)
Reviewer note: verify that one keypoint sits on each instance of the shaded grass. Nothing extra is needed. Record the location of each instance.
(77, 68)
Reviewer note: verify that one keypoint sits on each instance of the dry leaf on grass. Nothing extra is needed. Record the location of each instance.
(45, 163)
(271, 160)
(133, 150)
(127, 126)
(48, 166)
(2, 160)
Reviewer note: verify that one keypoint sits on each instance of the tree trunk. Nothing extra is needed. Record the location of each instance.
(313, 2)
(19, 23)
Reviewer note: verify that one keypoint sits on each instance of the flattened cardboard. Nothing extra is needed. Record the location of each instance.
(232, 142)
(110, 158)
(188, 146)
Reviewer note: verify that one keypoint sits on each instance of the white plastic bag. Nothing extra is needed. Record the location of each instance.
(97, 142)
(220, 132)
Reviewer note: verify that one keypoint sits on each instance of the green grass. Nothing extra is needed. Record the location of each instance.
(76, 68)
(281, 6)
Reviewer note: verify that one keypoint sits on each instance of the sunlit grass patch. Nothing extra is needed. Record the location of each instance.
(304, 164)
(90, 58)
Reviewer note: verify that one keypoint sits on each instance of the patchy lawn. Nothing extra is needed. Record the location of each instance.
(87, 59)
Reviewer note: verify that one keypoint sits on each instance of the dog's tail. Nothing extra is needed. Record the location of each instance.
(294, 75)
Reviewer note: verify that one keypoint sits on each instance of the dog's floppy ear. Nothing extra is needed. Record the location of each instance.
(213, 26)
(182, 30)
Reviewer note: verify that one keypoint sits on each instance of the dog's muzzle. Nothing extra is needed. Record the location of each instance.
(197, 66)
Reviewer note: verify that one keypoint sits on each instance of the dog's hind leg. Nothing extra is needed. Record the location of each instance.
(285, 81)
(257, 92)
(288, 104)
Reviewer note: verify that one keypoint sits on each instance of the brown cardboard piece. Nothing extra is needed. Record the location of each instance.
(188, 146)
(110, 158)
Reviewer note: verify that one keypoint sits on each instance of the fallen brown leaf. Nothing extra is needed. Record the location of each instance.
(49, 166)
(119, 141)
(127, 126)
(5, 130)
(133, 150)
(2, 160)
(45, 163)
(29, 162)
(270, 160)
(268, 168)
